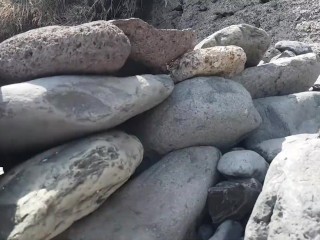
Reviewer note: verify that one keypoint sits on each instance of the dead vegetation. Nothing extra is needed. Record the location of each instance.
(18, 16)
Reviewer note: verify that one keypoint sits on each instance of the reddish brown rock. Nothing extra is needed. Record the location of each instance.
(155, 47)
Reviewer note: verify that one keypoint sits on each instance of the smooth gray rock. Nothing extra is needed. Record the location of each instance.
(254, 41)
(269, 149)
(270, 53)
(164, 202)
(288, 207)
(232, 199)
(286, 115)
(294, 46)
(205, 231)
(284, 54)
(243, 164)
(200, 111)
(281, 77)
(47, 194)
(228, 230)
(91, 48)
(48, 111)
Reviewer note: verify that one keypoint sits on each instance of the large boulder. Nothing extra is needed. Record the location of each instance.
(200, 111)
(45, 195)
(164, 202)
(283, 116)
(91, 48)
(288, 206)
(215, 61)
(281, 77)
(155, 47)
(254, 41)
(48, 111)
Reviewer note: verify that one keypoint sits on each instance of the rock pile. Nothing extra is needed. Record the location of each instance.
(180, 154)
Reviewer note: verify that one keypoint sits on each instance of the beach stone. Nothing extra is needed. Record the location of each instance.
(232, 199)
(288, 206)
(164, 202)
(62, 108)
(45, 195)
(281, 77)
(216, 61)
(243, 164)
(294, 46)
(205, 231)
(284, 54)
(200, 111)
(254, 41)
(228, 230)
(155, 47)
(91, 48)
(270, 53)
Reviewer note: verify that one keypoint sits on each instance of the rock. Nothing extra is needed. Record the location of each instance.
(243, 164)
(228, 230)
(200, 111)
(270, 53)
(232, 199)
(284, 54)
(164, 202)
(216, 61)
(205, 231)
(288, 207)
(294, 46)
(92, 48)
(155, 47)
(45, 195)
(61, 108)
(254, 41)
(281, 77)
(315, 88)
(269, 149)
(286, 115)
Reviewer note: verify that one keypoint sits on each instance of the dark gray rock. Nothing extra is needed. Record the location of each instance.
(284, 54)
(205, 231)
(233, 199)
(288, 207)
(286, 115)
(270, 53)
(281, 77)
(164, 202)
(254, 41)
(294, 46)
(243, 164)
(228, 230)
(200, 111)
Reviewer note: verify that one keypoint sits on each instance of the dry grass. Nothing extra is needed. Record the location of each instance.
(17, 16)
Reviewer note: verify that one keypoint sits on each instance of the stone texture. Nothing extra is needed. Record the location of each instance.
(294, 46)
(155, 47)
(254, 41)
(92, 48)
(45, 195)
(162, 203)
(232, 199)
(200, 111)
(284, 54)
(216, 61)
(281, 77)
(269, 149)
(57, 109)
(286, 115)
(288, 207)
(270, 53)
(228, 230)
(205, 231)
(243, 164)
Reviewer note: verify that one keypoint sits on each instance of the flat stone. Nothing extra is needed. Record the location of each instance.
(48, 193)
(61, 108)
(155, 47)
(228, 230)
(243, 164)
(201, 111)
(288, 207)
(216, 61)
(91, 48)
(281, 77)
(294, 46)
(254, 41)
(164, 202)
(232, 199)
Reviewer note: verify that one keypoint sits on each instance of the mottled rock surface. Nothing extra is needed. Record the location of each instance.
(92, 48)
(164, 202)
(45, 195)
